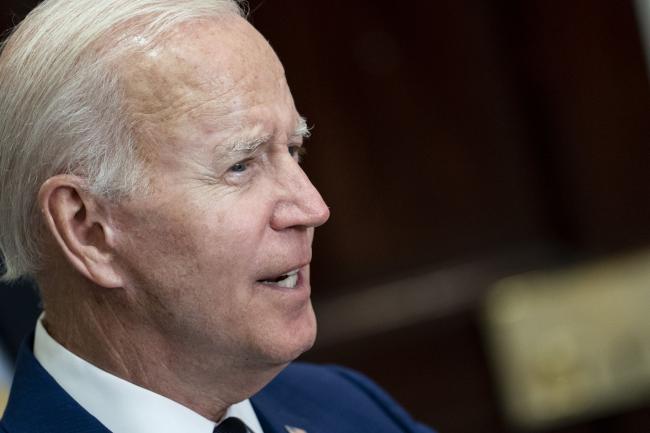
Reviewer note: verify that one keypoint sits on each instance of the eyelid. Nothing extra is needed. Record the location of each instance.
(250, 157)
(243, 156)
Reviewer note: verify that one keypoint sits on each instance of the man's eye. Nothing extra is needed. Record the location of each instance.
(297, 152)
(240, 167)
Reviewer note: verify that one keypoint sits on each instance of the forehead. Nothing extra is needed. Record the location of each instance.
(204, 74)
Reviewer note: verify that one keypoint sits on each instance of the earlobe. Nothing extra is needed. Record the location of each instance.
(80, 227)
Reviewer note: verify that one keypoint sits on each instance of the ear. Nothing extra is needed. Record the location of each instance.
(81, 227)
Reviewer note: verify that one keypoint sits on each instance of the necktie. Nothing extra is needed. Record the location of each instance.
(231, 425)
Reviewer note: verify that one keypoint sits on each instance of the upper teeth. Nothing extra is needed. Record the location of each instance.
(289, 280)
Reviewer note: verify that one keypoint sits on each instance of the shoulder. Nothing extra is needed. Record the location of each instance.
(321, 381)
(334, 392)
(37, 404)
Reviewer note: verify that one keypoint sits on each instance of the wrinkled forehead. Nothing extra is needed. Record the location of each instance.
(203, 70)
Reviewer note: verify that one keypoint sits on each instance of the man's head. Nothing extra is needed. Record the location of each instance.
(157, 163)
(62, 105)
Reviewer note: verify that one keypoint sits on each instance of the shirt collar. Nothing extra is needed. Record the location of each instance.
(122, 406)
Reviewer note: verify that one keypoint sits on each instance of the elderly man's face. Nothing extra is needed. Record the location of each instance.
(217, 256)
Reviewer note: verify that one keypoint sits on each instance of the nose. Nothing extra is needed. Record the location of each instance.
(300, 204)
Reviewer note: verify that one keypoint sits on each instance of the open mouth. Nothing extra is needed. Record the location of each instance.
(288, 280)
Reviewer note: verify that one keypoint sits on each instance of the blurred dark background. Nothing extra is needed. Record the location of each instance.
(457, 142)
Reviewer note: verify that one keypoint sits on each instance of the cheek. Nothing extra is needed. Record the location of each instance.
(155, 263)
(197, 241)
(235, 229)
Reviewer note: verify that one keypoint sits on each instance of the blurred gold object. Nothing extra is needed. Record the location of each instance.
(4, 395)
(572, 344)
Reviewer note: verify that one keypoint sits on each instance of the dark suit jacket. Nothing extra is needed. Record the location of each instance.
(315, 399)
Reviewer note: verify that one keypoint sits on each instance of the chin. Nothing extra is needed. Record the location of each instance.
(306, 335)
(308, 343)
(293, 342)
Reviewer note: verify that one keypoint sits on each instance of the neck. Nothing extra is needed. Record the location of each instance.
(104, 332)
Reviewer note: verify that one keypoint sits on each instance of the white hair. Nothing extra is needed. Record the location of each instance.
(62, 108)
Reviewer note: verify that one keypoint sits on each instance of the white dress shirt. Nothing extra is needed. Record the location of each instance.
(122, 406)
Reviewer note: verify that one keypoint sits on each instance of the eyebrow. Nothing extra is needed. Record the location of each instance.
(302, 130)
(251, 139)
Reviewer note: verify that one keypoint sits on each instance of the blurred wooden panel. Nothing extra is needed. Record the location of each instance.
(452, 128)
(584, 85)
